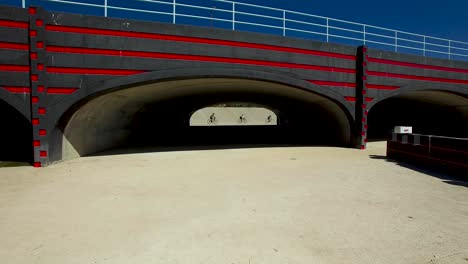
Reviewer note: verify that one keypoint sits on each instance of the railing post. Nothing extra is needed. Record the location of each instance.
(327, 29)
(396, 41)
(105, 8)
(284, 23)
(233, 16)
(424, 46)
(450, 50)
(364, 34)
(174, 11)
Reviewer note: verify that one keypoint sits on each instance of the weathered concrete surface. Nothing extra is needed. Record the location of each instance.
(266, 205)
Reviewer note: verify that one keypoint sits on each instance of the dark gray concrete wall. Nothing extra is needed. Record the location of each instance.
(74, 59)
(14, 59)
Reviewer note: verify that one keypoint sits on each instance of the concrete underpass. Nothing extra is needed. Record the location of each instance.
(427, 112)
(158, 114)
(79, 85)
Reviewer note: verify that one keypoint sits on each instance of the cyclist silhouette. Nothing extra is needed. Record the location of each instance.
(242, 119)
(212, 119)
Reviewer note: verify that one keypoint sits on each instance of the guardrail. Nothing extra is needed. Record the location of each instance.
(251, 17)
(447, 153)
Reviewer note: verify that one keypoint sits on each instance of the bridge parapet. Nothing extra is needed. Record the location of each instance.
(236, 15)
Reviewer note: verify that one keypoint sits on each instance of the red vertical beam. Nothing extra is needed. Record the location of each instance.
(361, 98)
(37, 79)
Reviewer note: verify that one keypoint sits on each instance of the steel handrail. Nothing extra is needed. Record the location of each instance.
(335, 29)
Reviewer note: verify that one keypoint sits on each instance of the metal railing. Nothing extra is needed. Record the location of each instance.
(250, 17)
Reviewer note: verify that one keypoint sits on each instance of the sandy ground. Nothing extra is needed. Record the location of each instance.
(265, 205)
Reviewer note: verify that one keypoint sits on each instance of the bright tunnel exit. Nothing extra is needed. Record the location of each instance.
(233, 114)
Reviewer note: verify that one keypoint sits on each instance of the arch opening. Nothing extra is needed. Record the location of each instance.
(158, 115)
(15, 133)
(234, 114)
(427, 112)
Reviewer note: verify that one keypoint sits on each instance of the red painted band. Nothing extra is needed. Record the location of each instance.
(109, 32)
(443, 149)
(70, 70)
(350, 98)
(14, 46)
(339, 84)
(17, 68)
(17, 89)
(14, 24)
(369, 99)
(451, 150)
(57, 90)
(415, 77)
(429, 158)
(157, 55)
(417, 65)
(382, 87)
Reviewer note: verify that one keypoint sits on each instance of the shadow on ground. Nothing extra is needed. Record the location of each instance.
(6, 164)
(139, 150)
(449, 177)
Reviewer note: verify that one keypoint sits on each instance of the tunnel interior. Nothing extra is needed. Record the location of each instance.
(158, 115)
(427, 112)
(15, 133)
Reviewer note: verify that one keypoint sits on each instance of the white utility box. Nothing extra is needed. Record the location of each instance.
(403, 130)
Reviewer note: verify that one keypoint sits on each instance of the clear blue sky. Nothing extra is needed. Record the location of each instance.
(446, 19)
(443, 18)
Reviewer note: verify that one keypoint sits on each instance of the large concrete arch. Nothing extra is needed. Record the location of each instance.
(20, 102)
(115, 102)
(289, 79)
(411, 88)
(442, 112)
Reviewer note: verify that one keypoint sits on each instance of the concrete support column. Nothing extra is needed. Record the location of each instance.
(38, 88)
(361, 97)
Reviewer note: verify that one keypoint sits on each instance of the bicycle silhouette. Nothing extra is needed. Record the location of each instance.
(212, 119)
(242, 119)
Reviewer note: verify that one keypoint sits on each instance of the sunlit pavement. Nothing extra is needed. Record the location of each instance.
(258, 205)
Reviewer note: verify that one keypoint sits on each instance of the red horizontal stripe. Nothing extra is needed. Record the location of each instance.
(451, 150)
(417, 65)
(58, 90)
(369, 99)
(340, 84)
(350, 98)
(17, 89)
(14, 24)
(428, 157)
(108, 32)
(382, 87)
(20, 68)
(443, 149)
(157, 55)
(70, 70)
(15, 46)
(415, 77)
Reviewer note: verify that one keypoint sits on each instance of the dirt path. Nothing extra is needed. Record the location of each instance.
(270, 205)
